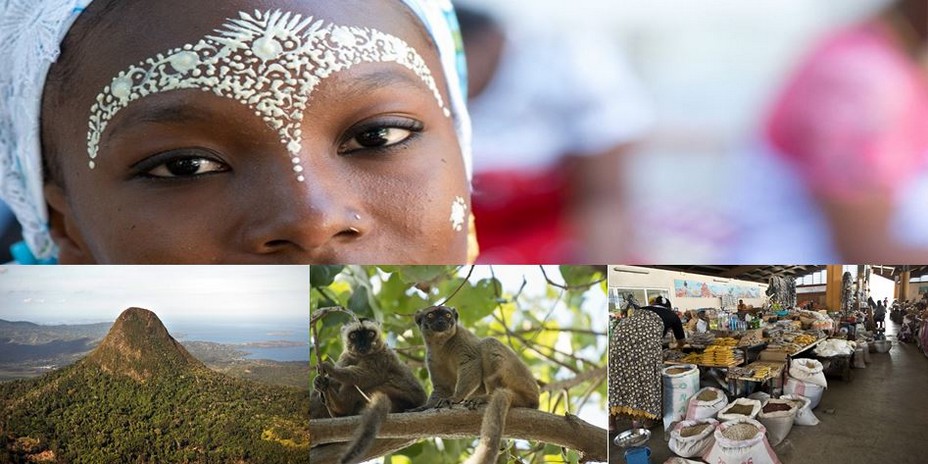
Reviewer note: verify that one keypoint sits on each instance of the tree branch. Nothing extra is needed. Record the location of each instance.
(576, 380)
(333, 451)
(564, 286)
(459, 422)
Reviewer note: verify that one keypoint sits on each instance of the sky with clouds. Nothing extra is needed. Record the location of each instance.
(82, 294)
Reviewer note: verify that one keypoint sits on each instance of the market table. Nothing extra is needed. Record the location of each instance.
(776, 370)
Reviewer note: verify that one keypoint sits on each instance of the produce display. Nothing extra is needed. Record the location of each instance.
(716, 355)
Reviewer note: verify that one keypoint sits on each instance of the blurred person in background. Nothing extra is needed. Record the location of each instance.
(553, 116)
(843, 172)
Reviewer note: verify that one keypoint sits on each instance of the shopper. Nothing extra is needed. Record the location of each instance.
(669, 318)
(879, 315)
(635, 361)
(235, 132)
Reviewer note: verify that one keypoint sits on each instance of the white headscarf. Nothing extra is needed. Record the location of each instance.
(31, 32)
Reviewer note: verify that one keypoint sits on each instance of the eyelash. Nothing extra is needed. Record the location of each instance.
(414, 127)
(143, 169)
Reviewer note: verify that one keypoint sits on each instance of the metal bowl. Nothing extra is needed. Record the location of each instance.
(633, 437)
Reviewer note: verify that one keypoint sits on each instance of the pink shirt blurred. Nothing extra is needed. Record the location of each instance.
(854, 119)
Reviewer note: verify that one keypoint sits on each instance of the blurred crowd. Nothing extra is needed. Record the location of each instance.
(646, 132)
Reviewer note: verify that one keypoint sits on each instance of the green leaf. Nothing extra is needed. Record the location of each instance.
(360, 304)
(322, 276)
(417, 274)
(474, 302)
(580, 275)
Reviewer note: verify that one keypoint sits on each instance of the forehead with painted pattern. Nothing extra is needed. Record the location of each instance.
(270, 60)
(285, 92)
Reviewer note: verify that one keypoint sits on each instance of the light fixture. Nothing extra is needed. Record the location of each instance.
(631, 270)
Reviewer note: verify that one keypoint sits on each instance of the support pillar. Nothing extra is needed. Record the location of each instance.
(903, 285)
(833, 284)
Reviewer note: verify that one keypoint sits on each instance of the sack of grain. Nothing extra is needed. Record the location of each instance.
(804, 414)
(706, 403)
(808, 370)
(778, 417)
(680, 383)
(809, 390)
(692, 438)
(740, 441)
(741, 408)
(677, 460)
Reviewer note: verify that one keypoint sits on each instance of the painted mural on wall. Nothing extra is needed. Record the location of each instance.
(698, 289)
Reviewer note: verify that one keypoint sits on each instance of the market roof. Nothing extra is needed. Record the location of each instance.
(762, 273)
(753, 273)
(891, 272)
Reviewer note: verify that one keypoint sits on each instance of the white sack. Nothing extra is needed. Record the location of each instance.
(804, 415)
(678, 388)
(755, 450)
(696, 445)
(725, 415)
(808, 370)
(809, 390)
(778, 423)
(697, 409)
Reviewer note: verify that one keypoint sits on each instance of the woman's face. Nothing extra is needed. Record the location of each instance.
(248, 141)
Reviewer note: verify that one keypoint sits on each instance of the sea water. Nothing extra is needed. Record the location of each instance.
(240, 333)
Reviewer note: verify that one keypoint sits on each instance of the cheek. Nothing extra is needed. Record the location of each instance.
(427, 204)
(138, 226)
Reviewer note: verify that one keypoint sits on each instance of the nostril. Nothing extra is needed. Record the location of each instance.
(350, 232)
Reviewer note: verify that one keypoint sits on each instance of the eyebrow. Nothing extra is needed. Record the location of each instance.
(174, 113)
(159, 113)
(372, 81)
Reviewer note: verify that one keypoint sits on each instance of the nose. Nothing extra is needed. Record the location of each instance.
(308, 221)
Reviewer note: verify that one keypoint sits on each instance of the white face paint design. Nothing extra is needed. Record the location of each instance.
(458, 213)
(270, 62)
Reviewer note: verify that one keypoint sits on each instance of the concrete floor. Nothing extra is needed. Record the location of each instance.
(880, 416)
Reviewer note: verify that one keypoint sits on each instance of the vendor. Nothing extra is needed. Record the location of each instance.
(742, 306)
(661, 306)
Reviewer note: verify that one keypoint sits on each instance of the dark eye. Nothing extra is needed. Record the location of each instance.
(431, 315)
(448, 315)
(379, 134)
(371, 333)
(353, 335)
(180, 164)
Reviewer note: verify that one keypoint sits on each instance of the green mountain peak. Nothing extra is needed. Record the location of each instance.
(139, 346)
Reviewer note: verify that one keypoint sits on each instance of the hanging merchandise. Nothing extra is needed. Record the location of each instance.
(692, 438)
(706, 403)
(680, 383)
(741, 441)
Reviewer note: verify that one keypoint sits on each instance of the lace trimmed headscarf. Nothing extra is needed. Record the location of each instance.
(31, 32)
